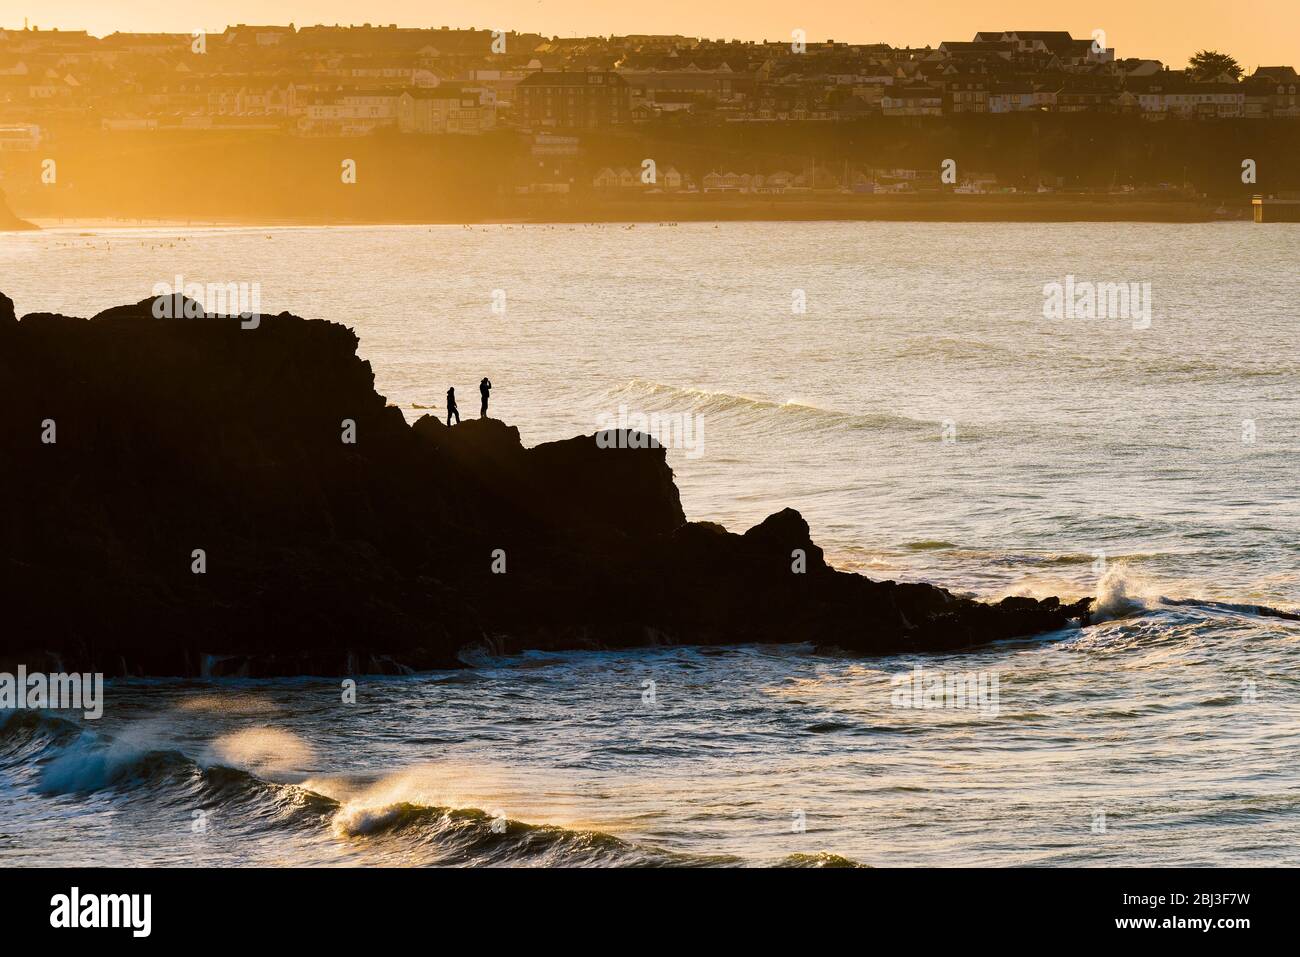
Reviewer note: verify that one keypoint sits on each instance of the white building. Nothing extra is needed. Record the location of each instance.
(350, 113)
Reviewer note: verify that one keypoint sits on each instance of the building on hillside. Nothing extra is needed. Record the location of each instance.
(913, 99)
(1086, 94)
(1016, 96)
(1137, 67)
(348, 113)
(1273, 91)
(717, 84)
(966, 95)
(1171, 93)
(242, 35)
(237, 98)
(448, 108)
(573, 100)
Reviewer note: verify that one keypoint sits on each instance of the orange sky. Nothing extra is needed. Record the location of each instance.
(1259, 32)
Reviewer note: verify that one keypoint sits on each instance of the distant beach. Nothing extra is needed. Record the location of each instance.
(999, 208)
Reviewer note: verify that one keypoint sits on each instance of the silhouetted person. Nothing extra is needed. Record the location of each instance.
(484, 388)
(451, 406)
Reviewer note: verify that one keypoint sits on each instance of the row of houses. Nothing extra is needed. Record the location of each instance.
(669, 180)
(1156, 97)
(447, 108)
(813, 179)
(358, 80)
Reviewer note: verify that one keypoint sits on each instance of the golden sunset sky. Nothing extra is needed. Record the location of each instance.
(1259, 32)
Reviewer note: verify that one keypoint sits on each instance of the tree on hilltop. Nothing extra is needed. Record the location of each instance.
(1207, 64)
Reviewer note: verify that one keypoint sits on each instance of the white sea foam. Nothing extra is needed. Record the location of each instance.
(1121, 593)
(261, 750)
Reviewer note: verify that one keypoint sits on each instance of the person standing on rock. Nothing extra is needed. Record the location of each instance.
(451, 406)
(484, 388)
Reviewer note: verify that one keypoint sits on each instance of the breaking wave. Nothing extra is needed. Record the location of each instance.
(470, 836)
(1119, 595)
(1122, 593)
(58, 758)
(141, 781)
(646, 396)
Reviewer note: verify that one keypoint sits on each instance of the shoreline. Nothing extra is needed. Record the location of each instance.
(885, 208)
(710, 210)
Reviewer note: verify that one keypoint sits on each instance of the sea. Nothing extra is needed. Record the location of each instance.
(911, 390)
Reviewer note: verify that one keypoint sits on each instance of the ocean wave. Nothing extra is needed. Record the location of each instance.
(58, 758)
(87, 766)
(27, 725)
(27, 735)
(823, 859)
(646, 396)
(1123, 593)
(469, 835)
(851, 552)
(1233, 608)
(474, 836)
(444, 815)
(65, 760)
(1119, 595)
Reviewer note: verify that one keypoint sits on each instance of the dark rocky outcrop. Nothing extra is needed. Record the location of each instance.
(324, 557)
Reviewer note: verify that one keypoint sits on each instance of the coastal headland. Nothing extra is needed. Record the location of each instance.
(199, 496)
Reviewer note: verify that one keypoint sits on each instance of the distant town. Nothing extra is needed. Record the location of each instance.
(354, 80)
(560, 100)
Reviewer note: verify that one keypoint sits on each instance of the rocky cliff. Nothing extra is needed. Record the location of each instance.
(181, 497)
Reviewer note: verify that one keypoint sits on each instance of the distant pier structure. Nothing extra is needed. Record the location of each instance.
(1283, 209)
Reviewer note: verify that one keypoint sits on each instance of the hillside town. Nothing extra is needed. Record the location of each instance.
(504, 113)
(359, 80)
